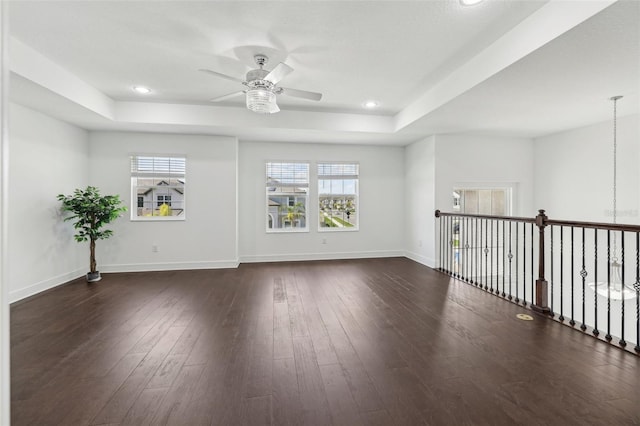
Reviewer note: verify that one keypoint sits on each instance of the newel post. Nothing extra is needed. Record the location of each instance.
(542, 293)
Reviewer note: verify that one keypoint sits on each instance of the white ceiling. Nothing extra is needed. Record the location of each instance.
(517, 68)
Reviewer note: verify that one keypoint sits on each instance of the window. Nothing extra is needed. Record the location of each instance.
(158, 187)
(287, 188)
(164, 199)
(338, 196)
(490, 201)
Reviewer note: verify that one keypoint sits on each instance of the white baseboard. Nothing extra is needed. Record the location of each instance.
(169, 266)
(427, 261)
(319, 256)
(36, 288)
(31, 290)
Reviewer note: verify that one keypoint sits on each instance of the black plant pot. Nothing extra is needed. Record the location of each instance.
(92, 277)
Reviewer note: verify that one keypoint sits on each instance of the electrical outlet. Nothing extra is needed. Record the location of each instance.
(154, 249)
(324, 241)
(419, 243)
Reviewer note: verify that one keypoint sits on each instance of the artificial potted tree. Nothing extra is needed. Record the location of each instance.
(90, 212)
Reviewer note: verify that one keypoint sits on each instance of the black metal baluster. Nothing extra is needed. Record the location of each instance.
(622, 342)
(561, 317)
(452, 258)
(510, 259)
(456, 246)
(595, 280)
(524, 264)
(469, 239)
(469, 249)
(454, 234)
(475, 253)
(503, 256)
(461, 250)
(449, 244)
(443, 242)
(491, 251)
(608, 335)
(551, 265)
(572, 321)
(464, 250)
(533, 280)
(448, 229)
(498, 256)
(583, 274)
(486, 255)
(517, 299)
(445, 245)
(637, 288)
(440, 243)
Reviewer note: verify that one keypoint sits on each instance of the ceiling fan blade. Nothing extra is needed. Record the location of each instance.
(312, 96)
(225, 97)
(278, 73)
(217, 74)
(273, 108)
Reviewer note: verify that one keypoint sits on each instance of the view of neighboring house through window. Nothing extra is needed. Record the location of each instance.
(338, 196)
(287, 187)
(158, 187)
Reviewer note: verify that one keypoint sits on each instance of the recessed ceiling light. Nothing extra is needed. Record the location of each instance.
(141, 89)
(371, 104)
(470, 2)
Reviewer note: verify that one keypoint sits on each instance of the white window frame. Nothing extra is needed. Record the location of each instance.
(137, 173)
(355, 177)
(269, 184)
(511, 189)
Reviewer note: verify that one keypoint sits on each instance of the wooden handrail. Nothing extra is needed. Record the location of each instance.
(483, 216)
(570, 223)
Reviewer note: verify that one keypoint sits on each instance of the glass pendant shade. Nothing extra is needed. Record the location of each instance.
(262, 101)
(615, 289)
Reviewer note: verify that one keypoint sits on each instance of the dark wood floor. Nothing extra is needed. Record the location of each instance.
(363, 342)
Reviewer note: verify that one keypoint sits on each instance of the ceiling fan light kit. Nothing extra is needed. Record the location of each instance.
(262, 101)
(262, 87)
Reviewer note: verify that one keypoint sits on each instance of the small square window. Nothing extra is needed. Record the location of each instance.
(158, 187)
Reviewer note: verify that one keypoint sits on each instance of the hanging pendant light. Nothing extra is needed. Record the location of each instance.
(614, 288)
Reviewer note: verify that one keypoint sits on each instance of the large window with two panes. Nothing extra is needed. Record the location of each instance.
(287, 196)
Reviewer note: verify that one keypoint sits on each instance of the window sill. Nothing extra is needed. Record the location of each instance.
(336, 229)
(287, 231)
(159, 219)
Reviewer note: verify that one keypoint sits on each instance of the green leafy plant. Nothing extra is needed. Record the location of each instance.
(90, 212)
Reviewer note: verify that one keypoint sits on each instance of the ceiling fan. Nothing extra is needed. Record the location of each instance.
(262, 87)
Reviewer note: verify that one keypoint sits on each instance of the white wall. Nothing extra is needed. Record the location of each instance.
(48, 157)
(574, 172)
(420, 186)
(5, 400)
(381, 202)
(206, 239)
(465, 160)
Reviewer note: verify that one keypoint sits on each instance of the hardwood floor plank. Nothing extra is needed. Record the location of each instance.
(258, 411)
(282, 340)
(148, 402)
(364, 341)
(313, 398)
(118, 406)
(286, 405)
(344, 410)
(177, 396)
